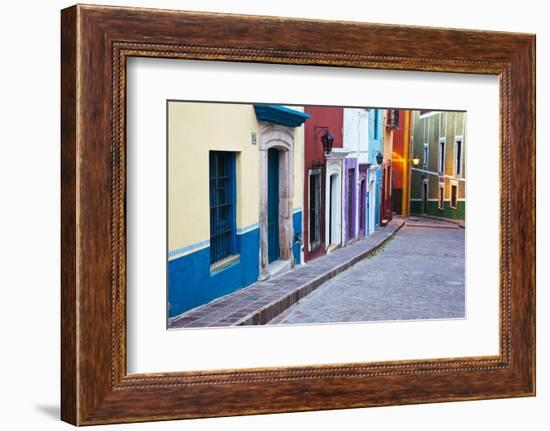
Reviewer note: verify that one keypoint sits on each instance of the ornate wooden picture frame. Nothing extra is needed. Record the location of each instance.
(96, 41)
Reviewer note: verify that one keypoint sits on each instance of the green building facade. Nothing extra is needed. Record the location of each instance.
(438, 181)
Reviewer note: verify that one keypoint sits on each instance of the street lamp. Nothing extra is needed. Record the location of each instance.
(327, 141)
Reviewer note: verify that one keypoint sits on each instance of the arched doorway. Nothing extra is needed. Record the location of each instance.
(276, 198)
(333, 198)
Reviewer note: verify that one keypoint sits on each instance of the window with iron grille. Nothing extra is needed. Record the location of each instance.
(396, 118)
(315, 210)
(393, 119)
(222, 205)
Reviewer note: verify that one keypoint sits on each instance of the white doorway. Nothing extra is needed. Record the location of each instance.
(334, 211)
(333, 198)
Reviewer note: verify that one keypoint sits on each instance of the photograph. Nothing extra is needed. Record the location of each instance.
(282, 214)
(251, 215)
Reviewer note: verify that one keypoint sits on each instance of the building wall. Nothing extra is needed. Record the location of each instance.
(350, 204)
(299, 154)
(356, 141)
(387, 168)
(356, 133)
(194, 129)
(430, 128)
(401, 155)
(375, 134)
(387, 136)
(321, 116)
(376, 130)
(298, 206)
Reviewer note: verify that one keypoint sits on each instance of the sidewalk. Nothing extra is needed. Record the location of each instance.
(261, 302)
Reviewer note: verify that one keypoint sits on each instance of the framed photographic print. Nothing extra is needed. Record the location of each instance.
(331, 214)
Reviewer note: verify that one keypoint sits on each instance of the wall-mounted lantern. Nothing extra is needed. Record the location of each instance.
(327, 140)
(415, 160)
(379, 158)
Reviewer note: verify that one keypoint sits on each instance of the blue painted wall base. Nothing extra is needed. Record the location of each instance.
(297, 226)
(191, 284)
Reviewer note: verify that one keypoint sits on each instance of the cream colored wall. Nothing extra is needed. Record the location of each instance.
(452, 125)
(194, 130)
(298, 162)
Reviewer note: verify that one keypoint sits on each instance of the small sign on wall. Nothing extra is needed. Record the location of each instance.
(253, 138)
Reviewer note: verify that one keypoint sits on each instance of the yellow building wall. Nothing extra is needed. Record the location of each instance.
(452, 125)
(194, 129)
(298, 162)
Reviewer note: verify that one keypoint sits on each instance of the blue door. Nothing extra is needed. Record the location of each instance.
(272, 205)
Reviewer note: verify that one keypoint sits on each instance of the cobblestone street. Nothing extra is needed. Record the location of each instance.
(418, 274)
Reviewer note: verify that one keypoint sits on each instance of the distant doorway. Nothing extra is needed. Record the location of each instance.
(350, 216)
(371, 222)
(362, 209)
(334, 211)
(424, 196)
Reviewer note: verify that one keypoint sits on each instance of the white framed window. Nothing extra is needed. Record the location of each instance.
(459, 149)
(441, 160)
(426, 156)
(441, 196)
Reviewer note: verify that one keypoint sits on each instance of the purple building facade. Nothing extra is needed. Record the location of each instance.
(350, 200)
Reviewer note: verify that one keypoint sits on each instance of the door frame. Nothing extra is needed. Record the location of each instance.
(334, 165)
(273, 136)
